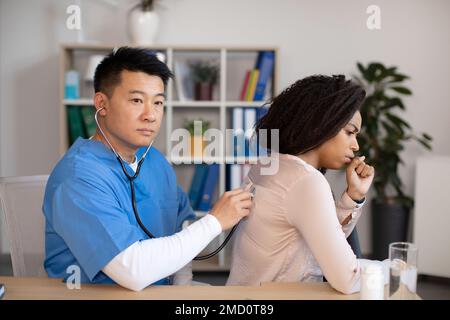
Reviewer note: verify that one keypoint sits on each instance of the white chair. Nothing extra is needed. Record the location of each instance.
(21, 202)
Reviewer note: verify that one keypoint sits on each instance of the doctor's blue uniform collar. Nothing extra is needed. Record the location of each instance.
(99, 149)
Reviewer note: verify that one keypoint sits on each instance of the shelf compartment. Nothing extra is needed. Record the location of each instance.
(78, 102)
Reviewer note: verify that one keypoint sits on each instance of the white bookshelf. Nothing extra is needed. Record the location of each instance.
(233, 63)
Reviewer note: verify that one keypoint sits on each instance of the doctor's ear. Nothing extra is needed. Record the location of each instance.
(100, 103)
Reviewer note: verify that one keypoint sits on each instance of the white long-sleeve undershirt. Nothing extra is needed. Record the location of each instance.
(148, 261)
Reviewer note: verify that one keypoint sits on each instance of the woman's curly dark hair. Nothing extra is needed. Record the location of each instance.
(311, 111)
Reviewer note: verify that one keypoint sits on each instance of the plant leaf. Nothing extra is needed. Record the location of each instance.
(362, 70)
(393, 102)
(390, 130)
(397, 120)
(398, 78)
(401, 90)
(424, 143)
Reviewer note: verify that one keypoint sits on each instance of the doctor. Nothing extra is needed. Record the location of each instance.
(90, 219)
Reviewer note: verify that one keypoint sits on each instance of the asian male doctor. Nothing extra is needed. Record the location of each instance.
(112, 214)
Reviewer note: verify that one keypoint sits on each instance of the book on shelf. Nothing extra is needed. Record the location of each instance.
(249, 124)
(268, 94)
(203, 186)
(261, 112)
(264, 64)
(209, 187)
(75, 123)
(261, 151)
(197, 183)
(238, 132)
(245, 85)
(252, 85)
(233, 180)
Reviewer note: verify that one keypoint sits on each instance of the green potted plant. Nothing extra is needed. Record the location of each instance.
(197, 138)
(204, 74)
(382, 138)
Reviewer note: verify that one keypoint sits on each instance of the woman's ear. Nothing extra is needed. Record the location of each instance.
(100, 103)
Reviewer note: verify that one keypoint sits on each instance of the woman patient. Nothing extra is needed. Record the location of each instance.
(296, 232)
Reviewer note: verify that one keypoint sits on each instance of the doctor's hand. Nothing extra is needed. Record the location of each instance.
(232, 207)
(359, 178)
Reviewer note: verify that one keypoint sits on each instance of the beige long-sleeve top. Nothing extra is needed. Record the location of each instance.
(294, 231)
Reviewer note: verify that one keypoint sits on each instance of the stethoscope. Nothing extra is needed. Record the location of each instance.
(131, 179)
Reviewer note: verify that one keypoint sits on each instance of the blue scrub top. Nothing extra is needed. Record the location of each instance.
(89, 214)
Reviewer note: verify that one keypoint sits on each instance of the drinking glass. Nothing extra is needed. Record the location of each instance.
(403, 271)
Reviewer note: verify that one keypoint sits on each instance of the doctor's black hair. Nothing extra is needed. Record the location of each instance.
(311, 111)
(107, 73)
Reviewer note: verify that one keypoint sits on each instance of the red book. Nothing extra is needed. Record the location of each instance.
(245, 85)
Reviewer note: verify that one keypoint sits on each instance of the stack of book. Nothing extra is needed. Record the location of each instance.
(257, 82)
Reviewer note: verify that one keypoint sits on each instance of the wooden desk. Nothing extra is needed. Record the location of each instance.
(49, 289)
(55, 289)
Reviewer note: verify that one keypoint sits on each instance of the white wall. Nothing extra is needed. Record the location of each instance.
(313, 37)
